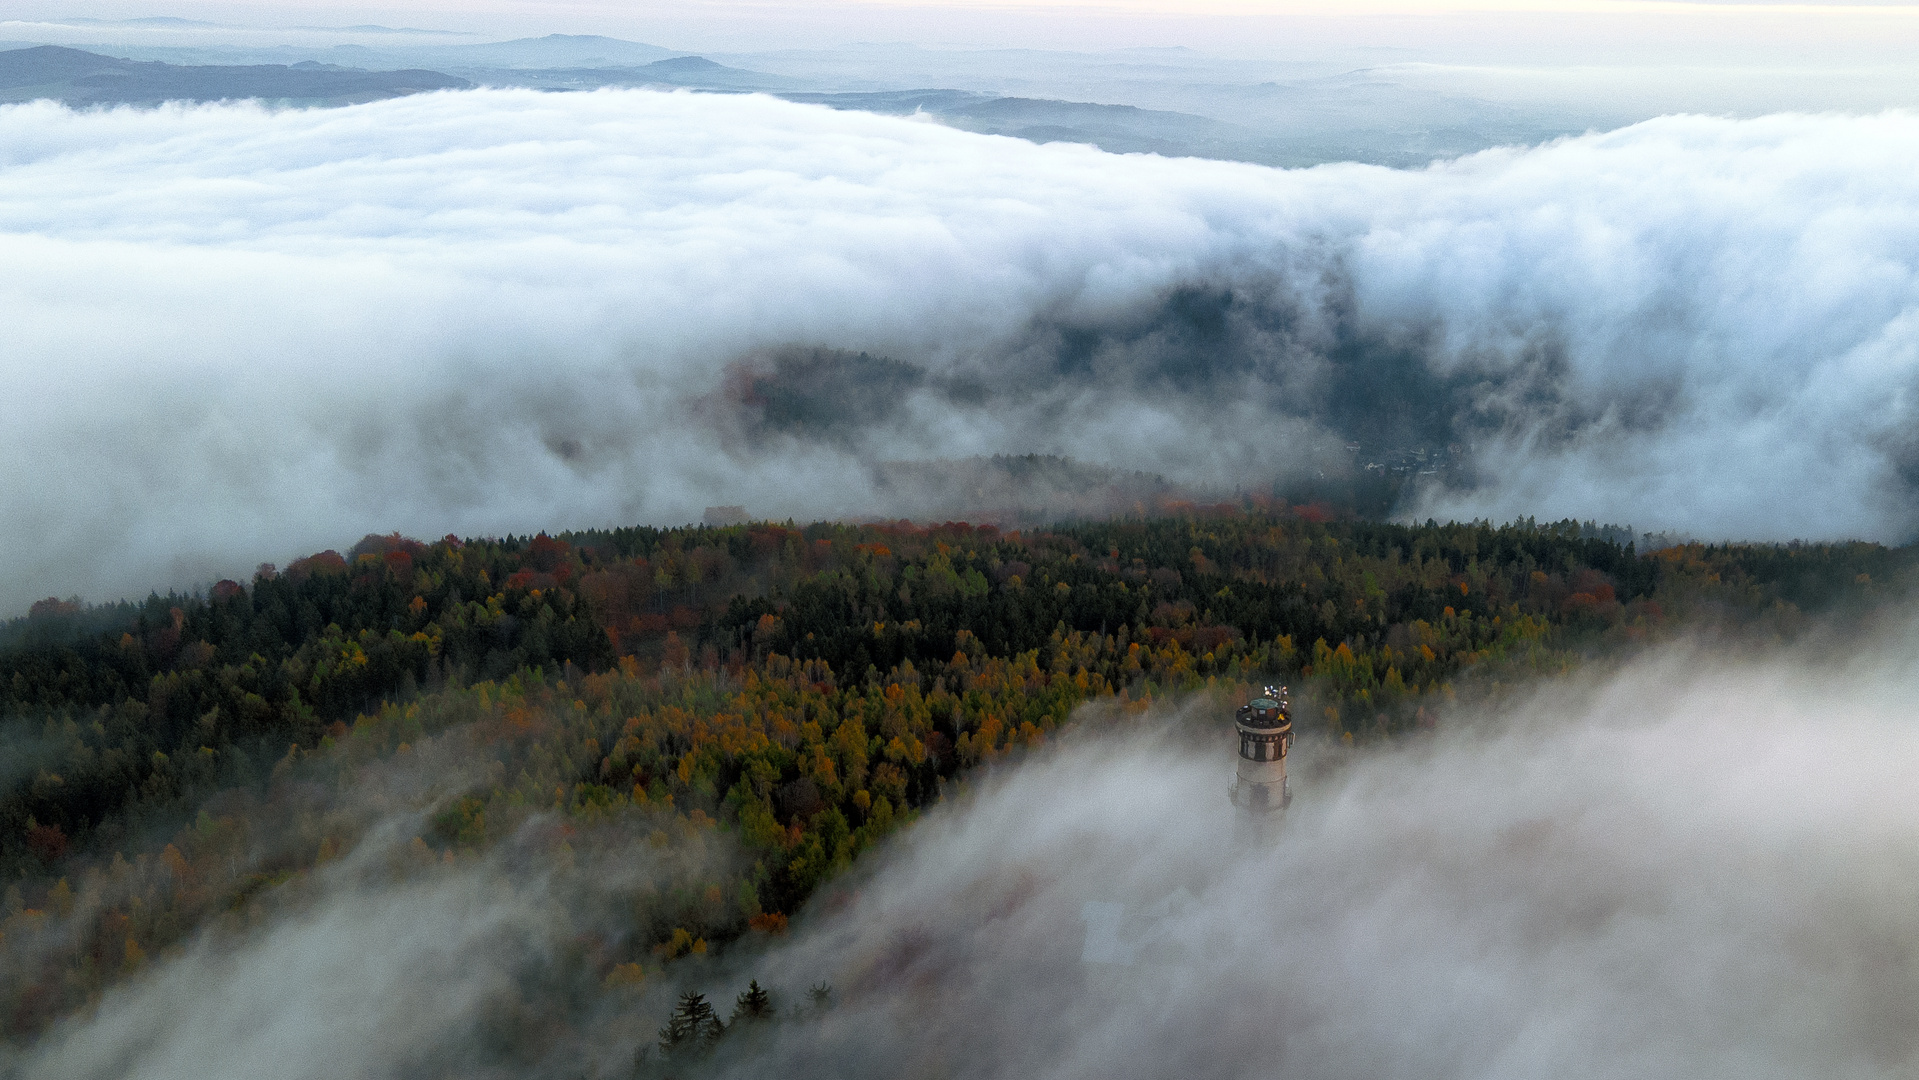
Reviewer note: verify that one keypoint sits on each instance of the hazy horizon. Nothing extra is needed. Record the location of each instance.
(1517, 35)
(1545, 30)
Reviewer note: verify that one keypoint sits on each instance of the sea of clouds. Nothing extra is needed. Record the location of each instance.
(1701, 866)
(231, 333)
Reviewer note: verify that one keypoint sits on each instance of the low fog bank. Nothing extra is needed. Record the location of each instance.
(369, 985)
(388, 958)
(1700, 866)
(237, 334)
(428, 978)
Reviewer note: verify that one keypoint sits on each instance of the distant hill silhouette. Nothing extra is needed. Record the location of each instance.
(83, 78)
(1121, 129)
(689, 72)
(688, 64)
(555, 51)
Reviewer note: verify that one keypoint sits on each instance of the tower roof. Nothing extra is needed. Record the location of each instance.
(1269, 710)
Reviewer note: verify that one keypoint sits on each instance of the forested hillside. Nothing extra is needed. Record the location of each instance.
(775, 697)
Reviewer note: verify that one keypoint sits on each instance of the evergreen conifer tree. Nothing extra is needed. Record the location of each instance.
(693, 1027)
(754, 1003)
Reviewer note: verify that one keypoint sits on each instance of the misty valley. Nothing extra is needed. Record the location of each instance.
(580, 790)
(1384, 546)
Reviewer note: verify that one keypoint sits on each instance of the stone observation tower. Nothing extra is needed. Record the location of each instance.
(1259, 790)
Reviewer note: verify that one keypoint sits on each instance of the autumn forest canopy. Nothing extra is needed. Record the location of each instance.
(757, 704)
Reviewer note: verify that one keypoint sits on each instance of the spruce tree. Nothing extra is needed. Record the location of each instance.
(753, 1003)
(693, 1027)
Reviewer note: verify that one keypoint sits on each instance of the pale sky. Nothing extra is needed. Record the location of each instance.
(1554, 31)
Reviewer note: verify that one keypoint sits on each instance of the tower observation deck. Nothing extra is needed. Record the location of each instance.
(1265, 726)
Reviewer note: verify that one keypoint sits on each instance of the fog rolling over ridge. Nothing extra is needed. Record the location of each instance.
(1698, 867)
(236, 334)
(1675, 872)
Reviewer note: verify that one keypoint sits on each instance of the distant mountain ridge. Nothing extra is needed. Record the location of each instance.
(1120, 129)
(1301, 122)
(682, 71)
(553, 51)
(76, 77)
